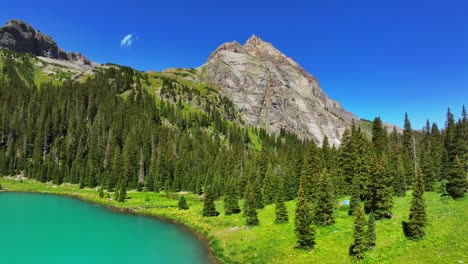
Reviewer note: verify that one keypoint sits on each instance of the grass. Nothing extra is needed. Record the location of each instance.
(446, 238)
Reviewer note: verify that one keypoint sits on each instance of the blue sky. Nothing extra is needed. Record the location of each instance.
(377, 58)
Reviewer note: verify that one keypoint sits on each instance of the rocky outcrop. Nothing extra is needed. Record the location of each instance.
(273, 91)
(19, 36)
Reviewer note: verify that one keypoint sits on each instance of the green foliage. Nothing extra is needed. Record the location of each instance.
(457, 180)
(231, 200)
(122, 191)
(182, 203)
(325, 201)
(281, 212)
(415, 227)
(269, 185)
(101, 192)
(303, 219)
(371, 235)
(399, 185)
(250, 210)
(209, 208)
(379, 198)
(310, 171)
(359, 246)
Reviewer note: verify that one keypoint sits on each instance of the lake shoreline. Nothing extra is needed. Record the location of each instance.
(203, 238)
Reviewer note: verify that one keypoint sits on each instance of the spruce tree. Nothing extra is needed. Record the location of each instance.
(281, 211)
(457, 182)
(399, 183)
(379, 136)
(303, 219)
(379, 199)
(371, 236)
(258, 194)
(414, 228)
(101, 192)
(325, 201)
(359, 247)
(311, 171)
(209, 209)
(269, 185)
(250, 207)
(182, 203)
(408, 151)
(355, 198)
(122, 191)
(231, 199)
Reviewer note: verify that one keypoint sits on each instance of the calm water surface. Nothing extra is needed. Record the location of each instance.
(40, 228)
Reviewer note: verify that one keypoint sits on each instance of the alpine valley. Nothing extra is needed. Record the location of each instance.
(247, 150)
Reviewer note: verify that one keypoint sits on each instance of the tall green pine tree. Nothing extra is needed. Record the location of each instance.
(250, 208)
(303, 219)
(281, 211)
(359, 247)
(415, 227)
(325, 201)
(209, 209)
(457, 182)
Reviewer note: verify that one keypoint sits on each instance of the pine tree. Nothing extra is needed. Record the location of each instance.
(258, 194)
(209, 209)
(379, 199)
(101, 192)
(269, 185)
(250, 209)
(408, 151)
(325, 201)
(303, 219)
(399, 184)
(281, 211)
(182, 203)
(311, 171)
(122, 191)
(355, 199)
(379, 136)
(371, 237)
(359, 247)
(457, 182)
(231, 199)
(414, 228)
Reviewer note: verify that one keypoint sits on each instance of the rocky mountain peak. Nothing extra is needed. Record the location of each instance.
(233, 46)
(19, 36)
(254, 40)
(273, 91)
(264, 51)
(20, 25)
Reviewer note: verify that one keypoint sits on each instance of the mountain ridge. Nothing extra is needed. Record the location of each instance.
(19, 36)
(267, 88)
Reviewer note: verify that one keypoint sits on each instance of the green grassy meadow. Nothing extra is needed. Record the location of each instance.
(446, 239)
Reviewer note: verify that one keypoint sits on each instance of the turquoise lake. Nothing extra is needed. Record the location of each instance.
(40, 228)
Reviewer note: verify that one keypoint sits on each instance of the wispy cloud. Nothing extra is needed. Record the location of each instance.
(127, 40)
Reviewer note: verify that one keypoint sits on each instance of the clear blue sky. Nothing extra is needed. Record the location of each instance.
(378, 58)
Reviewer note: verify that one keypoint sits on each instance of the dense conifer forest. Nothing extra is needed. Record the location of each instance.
(110, 132)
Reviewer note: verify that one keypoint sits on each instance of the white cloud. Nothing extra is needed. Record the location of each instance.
(127, 40)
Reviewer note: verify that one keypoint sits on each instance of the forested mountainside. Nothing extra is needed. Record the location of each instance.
(114, 129)
(265, 88)
(117, 130)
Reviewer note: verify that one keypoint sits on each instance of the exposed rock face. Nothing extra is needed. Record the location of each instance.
(19, 36)
(273, 91)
